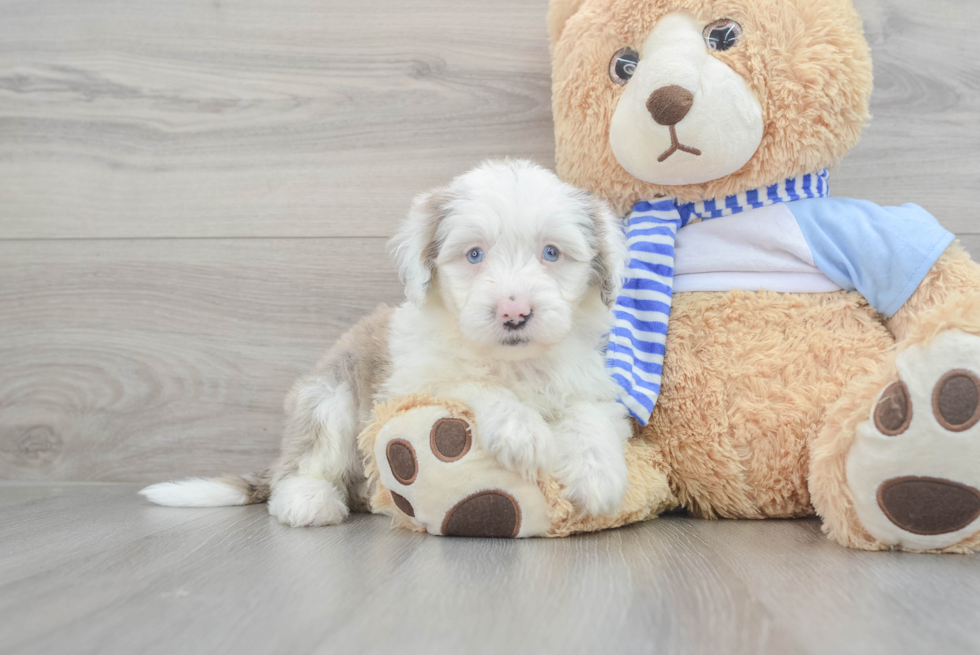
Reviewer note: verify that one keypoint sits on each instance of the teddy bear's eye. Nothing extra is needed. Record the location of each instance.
(722, 34)
(623, 65)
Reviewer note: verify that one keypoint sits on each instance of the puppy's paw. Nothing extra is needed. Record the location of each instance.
(301, 501)
(517, 436)
(595, 480)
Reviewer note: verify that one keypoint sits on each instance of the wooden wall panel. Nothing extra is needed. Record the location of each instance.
(257, 118)
(131, 360)
(324, 117)
(194, 196)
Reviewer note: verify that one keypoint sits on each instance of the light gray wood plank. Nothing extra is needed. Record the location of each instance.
(971, 242)
(132, 360)
(257, 118)
(95, 569)
(318, 117)
(923, 142)
(141, 360)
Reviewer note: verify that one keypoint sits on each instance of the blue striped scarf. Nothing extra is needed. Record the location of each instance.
(638, 339)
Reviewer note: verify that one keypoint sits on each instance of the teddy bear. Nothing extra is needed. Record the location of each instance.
(784, 353)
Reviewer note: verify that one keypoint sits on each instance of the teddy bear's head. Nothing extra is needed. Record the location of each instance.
(698, 99)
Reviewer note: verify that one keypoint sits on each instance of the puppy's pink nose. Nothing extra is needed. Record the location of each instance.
(513, 309)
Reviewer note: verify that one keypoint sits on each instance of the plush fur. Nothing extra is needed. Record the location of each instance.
(765, 395)
(946, 300)
(807, 63)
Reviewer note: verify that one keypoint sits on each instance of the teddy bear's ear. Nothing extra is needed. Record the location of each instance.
(413, 248)
(559, 11)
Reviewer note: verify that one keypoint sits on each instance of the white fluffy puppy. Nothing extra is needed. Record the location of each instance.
(510, 276)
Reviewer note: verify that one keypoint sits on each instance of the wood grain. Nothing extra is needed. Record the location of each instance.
(924, 138)
(321, 118)
(132, 360)
(138, 578)
(257, 118)
(193, 195)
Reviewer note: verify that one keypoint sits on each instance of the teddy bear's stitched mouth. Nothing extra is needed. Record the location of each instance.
(676, 145)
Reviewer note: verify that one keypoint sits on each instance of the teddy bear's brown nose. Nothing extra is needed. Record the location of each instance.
(669, 104)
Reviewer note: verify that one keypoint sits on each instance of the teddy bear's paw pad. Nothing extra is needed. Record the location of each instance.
(450, 439)
(491, 513)
(440, 478)
(914, 468)
(956, 400)
(893, 412)
(402, 503)
(928, 506)
(402, 460)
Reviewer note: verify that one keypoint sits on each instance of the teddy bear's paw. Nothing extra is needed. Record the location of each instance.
(914, 468)
(441, 479)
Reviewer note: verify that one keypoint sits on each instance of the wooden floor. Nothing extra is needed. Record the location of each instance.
(94, 569)
(194, 202)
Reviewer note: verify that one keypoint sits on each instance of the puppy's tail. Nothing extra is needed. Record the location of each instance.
(222, 491)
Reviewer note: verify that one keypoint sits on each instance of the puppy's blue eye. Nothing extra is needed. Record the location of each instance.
(550, 254)
(475, 256)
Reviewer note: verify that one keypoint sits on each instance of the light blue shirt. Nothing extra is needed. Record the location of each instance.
(883, 253)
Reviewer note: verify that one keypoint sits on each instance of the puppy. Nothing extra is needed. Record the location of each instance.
(510, 276)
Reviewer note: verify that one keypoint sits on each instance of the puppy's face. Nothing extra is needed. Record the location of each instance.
(515, 256)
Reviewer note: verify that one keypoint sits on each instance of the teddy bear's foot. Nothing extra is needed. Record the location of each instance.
(914, 467)
(440, 479)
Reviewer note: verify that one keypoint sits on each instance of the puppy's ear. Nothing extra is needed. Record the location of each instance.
(414, 248)
(609, 264)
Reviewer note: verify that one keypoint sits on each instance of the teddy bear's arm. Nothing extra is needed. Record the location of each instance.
(949, 296)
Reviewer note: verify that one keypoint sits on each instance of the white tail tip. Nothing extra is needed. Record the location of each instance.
(194, 492)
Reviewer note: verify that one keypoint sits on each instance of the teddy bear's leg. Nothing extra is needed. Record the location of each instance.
(897, 462)
(430, 472)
